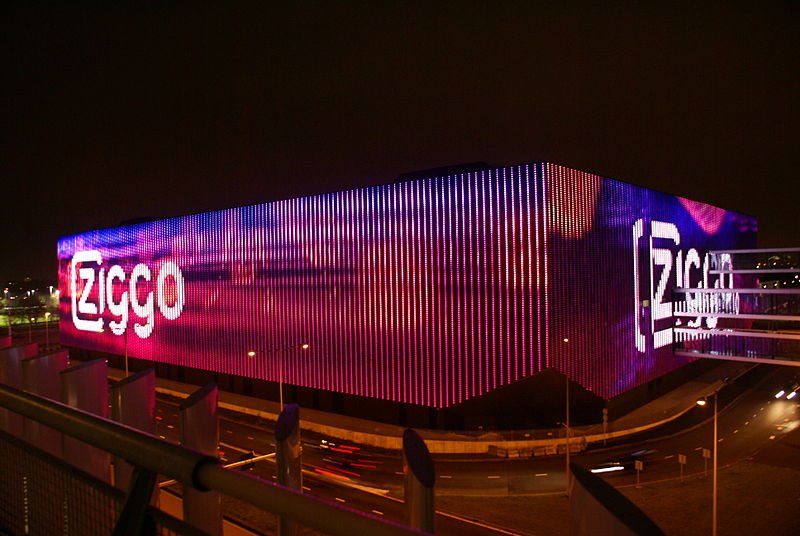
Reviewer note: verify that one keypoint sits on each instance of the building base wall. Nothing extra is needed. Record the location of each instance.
(534, 402)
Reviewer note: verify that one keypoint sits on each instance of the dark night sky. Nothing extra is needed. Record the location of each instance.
(112, 112)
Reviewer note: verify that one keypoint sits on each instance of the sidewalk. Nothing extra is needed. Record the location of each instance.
(535, 442)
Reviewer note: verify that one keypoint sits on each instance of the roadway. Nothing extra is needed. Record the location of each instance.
(368, 481)
(371, 480)
(746, 426)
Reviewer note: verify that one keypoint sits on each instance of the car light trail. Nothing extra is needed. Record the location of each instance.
(608, 469)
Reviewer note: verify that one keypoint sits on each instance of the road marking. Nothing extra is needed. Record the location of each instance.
(772, 437)
(170, 427)
(540, 474)
(232, 447)
(493, 476)
(668, 457)
(162, 437)
(445, 476)
(476, 523)
(228, 432)
(340, 500)
(377, 512)
(699, 448)
(399, 473)
(736, 431)
(720, 440)
(454, 516)
(306, 488)
(746, 423)
(250, 438)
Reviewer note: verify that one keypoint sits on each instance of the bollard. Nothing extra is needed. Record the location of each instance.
(288, 458)
(419, 478)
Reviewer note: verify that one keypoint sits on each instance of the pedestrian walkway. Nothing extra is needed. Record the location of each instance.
(512, 443)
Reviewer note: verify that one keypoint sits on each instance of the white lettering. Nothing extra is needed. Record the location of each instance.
(169, 280)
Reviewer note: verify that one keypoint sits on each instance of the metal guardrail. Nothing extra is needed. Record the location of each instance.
(195, 469)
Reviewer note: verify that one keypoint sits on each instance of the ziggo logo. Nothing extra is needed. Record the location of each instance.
(119, 304)
(665, 266)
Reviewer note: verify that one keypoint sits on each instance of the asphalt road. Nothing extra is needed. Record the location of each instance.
(371, 480)
(746, 426)
(367, 481)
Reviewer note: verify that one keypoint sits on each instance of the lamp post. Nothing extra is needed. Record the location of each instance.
(47, 329)
(125, 350)
(567, 431)
(702, 402)
(8, 312)
(566, 423)
(279, 352)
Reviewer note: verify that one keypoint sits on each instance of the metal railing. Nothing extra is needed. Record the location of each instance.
(738, 345)
(155, 456)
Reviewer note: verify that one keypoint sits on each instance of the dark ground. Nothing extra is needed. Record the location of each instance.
(756, 496)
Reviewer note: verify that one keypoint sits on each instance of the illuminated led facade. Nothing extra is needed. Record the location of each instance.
(425, 292)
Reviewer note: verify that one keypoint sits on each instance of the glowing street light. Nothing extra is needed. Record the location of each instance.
(279, 351)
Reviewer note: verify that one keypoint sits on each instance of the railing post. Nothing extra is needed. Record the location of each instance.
(40, 376)
(11, 374)
(288, 458)
(133, 403)
(85, 386)
(419, 479)
(133, 519)
(200, 431)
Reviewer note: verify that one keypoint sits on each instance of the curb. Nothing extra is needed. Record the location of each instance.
(501, 449)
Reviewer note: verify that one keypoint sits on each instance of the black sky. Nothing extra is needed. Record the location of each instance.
(113, 112)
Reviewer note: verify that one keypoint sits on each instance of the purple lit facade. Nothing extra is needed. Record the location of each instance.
(427, 292)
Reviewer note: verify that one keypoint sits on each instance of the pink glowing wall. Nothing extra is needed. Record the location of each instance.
(428, 292)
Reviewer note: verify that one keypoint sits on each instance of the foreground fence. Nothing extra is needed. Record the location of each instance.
(43, 495)
(40, 494)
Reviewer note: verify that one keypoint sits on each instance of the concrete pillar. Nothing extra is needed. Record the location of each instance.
(288, 458)
(40, 376)
(133, 403)
(200, 431)
(85, 386)
(419, 478)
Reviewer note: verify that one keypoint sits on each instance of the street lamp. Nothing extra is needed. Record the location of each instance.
(567, 433)
(702, 402)
(8, 313)
(47, 328)
(279, 351)
(566, 423)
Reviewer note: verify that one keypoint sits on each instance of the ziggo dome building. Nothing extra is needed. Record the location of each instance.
(453, 300)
